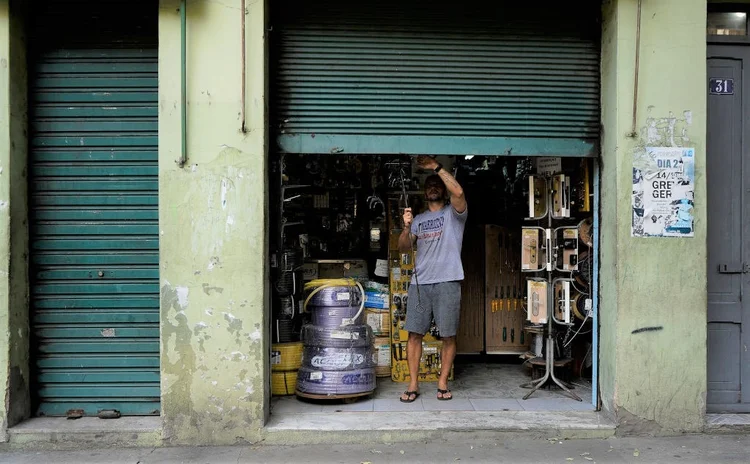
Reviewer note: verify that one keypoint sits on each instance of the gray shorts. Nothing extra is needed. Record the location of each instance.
(442, 300)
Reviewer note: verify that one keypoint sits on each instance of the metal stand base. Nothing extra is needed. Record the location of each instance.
(549, 374)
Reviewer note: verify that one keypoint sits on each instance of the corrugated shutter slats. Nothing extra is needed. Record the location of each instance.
(94, 207)
(411, 77)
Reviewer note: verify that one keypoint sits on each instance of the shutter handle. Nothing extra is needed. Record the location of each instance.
(101, 273)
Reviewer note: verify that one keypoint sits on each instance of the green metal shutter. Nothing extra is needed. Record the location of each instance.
(429, 77)
(94, 213)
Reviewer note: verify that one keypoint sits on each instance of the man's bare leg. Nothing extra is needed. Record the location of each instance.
(413, 355)
(448, 354)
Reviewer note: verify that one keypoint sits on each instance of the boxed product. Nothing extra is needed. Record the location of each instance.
(377, 300)
(379, 320)
(429, 365)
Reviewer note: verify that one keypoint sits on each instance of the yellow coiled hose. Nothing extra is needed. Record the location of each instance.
(286, 356)
(283, 383)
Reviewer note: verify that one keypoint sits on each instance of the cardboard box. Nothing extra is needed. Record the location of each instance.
(429, 365)
(309, 271)
(341, 268)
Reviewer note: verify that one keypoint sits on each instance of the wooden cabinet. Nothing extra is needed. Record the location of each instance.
(504, 290)
(470, 336)
(492, 298)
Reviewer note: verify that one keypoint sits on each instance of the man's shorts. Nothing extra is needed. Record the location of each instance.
(441, 300)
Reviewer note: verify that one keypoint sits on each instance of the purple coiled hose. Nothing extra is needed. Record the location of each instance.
(339, 295)
(353, 336)
(336, 316)
(319, 382)
(338, 359)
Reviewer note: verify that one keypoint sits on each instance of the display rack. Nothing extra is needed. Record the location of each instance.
(548, 199)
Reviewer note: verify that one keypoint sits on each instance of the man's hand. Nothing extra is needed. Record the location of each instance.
(426, 162)
(408, 217)
(406, 239)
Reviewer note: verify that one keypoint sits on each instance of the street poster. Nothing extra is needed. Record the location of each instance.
(663, 192)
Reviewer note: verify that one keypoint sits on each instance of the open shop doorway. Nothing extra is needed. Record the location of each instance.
(340, 282)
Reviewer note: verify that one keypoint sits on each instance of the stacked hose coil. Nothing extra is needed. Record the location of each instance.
(338, 356)
(286, 359)
(283, 383)
(288, 295)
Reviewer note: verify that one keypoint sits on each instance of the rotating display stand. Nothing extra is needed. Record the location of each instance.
(544, 252)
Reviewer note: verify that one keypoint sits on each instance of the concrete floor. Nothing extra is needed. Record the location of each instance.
(477, 387)
(467, 448)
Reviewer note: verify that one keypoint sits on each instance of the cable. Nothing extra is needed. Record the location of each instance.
(336, 316)
(332, 383)
(352, 336)
(320, 284)
(326, 358)
(572, 282)
(283, 383)
(286, 356)
(284, 331)
(579, 329)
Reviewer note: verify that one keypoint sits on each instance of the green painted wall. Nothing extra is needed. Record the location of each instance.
(653, 382)
(213, 215)
(14, 326)
(213, 226)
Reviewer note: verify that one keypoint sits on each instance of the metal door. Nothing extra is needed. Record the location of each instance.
(94, 214)
(728, 227)
(394, 77)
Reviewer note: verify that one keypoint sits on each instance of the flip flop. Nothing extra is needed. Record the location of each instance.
(409, 399)
(443, 393)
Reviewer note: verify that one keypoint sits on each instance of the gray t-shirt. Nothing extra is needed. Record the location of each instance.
(440, 235)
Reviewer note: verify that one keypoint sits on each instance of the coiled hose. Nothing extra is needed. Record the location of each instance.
(283, 331)
(286, 356)
(334, 383)
(319, 285)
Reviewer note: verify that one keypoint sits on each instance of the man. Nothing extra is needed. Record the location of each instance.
(438, 233)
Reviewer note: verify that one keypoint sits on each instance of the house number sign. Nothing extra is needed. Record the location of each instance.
(721, 86)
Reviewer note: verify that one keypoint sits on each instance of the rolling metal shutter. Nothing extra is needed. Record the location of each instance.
(427, 77)
(93, 215)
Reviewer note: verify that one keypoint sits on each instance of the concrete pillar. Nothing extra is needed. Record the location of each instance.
(652, 382)
(14, 301)
(213, 233)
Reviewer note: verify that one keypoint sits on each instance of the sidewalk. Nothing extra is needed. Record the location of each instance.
(684, 449)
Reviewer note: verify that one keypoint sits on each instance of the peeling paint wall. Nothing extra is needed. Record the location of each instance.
(653, 381)
(14, 325)
(213, 226)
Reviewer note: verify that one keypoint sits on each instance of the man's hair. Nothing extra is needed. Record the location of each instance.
(434, 179)
(437, 180)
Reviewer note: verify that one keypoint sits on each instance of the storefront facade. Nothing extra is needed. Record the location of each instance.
(213, 237)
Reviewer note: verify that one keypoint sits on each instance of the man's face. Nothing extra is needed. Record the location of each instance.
(434, 191)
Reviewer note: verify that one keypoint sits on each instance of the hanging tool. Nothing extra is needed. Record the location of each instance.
(402, 174)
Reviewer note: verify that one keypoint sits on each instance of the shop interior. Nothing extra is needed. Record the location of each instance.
(339, 282)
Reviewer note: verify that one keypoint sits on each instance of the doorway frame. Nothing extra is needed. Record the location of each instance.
(736, 41)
